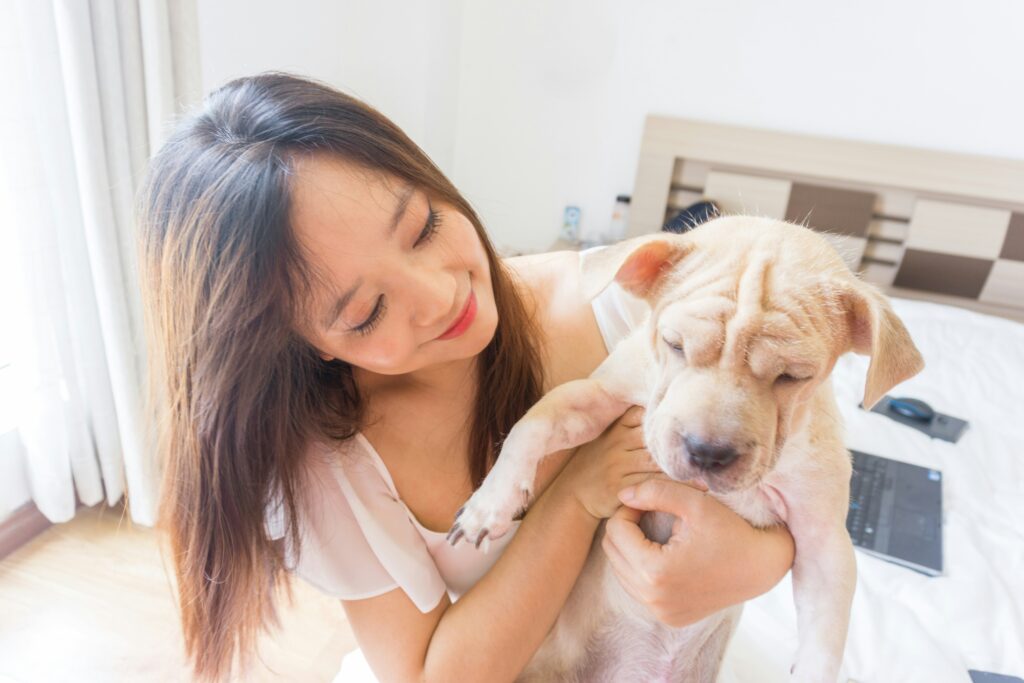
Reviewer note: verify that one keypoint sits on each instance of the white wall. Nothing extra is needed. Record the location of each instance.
(399, 56)
(552, 96)
(536, 104)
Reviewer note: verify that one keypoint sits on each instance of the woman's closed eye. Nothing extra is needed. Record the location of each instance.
(430, 229)
(427, 234)
(376, 316)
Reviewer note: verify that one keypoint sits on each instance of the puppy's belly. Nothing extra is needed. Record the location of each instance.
(603, 635)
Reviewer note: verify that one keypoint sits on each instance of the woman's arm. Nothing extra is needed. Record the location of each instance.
(493, 631)
(713, 560)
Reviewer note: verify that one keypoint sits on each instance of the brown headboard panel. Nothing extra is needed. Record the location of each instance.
(922, 224)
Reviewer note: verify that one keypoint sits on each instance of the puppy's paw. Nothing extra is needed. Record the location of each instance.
(489, 513)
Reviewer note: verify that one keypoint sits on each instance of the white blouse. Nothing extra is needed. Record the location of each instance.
(360, 540)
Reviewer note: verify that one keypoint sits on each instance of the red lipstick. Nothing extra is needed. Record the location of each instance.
(464, 320)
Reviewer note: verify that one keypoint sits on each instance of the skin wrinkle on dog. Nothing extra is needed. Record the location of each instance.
(750, 299)
(750, 302)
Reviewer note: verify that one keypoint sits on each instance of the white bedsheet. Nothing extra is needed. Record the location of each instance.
(907, 627)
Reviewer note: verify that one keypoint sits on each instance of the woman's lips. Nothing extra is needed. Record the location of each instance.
(464, 320)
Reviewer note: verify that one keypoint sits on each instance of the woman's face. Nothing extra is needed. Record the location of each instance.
(405, 282)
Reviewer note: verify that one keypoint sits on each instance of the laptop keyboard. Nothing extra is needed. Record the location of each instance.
(866, 488)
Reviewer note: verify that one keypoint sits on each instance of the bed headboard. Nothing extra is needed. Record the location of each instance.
(921, 224)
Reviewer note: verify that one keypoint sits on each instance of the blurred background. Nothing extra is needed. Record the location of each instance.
(529, 107)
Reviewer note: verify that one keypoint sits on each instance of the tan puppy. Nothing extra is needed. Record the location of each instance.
(748, 317)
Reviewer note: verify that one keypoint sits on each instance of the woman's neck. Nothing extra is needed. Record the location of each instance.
(443, 381)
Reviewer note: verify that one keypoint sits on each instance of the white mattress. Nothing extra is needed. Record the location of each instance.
(906, 626)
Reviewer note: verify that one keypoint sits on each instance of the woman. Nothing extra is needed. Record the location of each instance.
(336, 354)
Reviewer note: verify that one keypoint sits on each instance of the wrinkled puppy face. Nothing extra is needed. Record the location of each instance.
(748, 318)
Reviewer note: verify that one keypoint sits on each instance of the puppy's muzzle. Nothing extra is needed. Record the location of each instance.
(709, 456)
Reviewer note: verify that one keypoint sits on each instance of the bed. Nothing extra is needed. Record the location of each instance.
(943, 235)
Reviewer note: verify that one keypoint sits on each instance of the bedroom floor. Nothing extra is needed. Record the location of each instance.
(89, 601)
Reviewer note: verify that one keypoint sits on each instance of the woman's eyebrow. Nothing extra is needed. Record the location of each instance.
(404, 196)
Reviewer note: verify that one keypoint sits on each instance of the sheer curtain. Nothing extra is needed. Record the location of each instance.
(89, 87)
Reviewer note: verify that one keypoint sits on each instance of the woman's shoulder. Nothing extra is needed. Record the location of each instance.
(565, 316)
(552, 279)
(550, 266)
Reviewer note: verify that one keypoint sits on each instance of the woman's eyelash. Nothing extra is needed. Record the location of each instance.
(427, 234)
(375, 317)
(430, 229)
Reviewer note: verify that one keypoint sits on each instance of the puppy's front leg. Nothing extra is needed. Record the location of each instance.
(824, 579)
(570, 414)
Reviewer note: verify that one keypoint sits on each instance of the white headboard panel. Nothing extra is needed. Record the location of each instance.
(923, 224)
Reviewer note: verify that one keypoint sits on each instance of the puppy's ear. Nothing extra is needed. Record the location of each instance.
(875, 330)
(636, 264)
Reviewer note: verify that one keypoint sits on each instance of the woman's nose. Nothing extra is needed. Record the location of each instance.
(434, 295)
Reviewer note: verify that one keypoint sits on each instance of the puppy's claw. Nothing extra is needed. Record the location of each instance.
(521, 512)
(460, 511)
(455, 535)
(480, 538)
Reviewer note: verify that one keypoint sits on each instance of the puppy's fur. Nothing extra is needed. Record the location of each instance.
(748, 317)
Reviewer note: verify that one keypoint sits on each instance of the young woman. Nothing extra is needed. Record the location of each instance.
(336, 352)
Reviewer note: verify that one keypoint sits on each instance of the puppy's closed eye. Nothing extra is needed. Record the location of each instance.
(676, 346)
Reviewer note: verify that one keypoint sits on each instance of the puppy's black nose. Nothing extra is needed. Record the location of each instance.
(709, 456)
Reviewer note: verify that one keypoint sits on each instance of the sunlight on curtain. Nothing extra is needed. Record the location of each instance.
(82, 98)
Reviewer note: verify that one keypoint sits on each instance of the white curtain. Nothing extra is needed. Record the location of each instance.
(89, 89)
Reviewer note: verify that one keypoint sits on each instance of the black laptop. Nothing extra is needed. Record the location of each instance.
(896, 512)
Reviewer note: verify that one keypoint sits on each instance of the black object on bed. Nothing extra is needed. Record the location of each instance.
(922, 417)
(896, 512)
(692, 216)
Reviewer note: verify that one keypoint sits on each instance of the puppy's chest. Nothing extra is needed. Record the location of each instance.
(630, 649)
(762, 506)
(604, 636)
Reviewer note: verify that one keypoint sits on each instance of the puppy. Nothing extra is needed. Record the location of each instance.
(748, 317)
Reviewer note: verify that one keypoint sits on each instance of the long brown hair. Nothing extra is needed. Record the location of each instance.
(236, 391)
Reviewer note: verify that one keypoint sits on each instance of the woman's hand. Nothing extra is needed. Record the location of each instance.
(714, 558)
(601, 468)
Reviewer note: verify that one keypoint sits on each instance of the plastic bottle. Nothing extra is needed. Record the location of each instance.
(570, 225)
(620, 219)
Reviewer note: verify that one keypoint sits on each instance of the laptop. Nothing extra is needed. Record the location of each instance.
(896, 512)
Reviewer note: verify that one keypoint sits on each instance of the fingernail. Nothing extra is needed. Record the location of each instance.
(627, 494)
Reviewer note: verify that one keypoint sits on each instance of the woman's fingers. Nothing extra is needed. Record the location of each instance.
(628, 515)
(637, 478)
(697, 484)
(664, 495)
(633, 417)
(632, 439)
(626, 567)
(624, 533)
(624, 570)
(641, 461)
